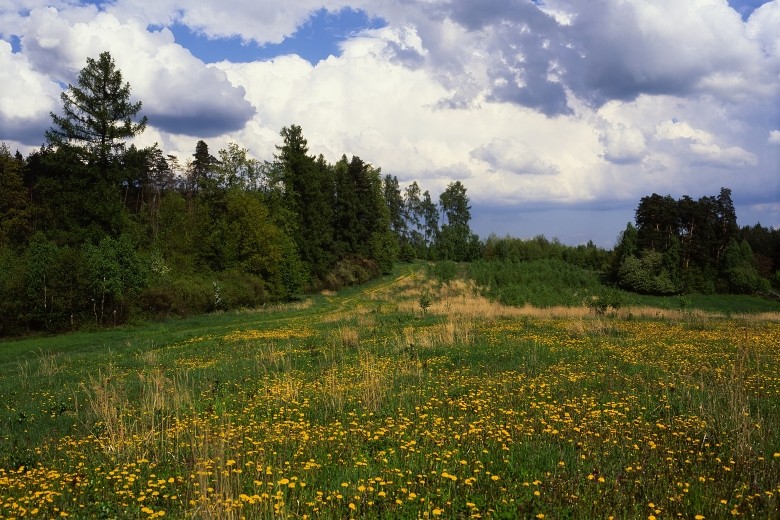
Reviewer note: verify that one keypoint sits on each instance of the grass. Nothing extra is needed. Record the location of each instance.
(363, 404)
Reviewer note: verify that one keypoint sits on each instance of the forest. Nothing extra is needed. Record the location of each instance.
(97, 232)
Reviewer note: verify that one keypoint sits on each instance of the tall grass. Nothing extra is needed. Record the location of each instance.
(360, 405)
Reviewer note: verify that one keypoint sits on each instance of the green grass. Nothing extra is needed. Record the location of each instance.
(359, 404)
(727, 304)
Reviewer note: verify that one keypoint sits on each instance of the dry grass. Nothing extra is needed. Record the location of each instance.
(373, 381)
(48, 363)
(347, 337)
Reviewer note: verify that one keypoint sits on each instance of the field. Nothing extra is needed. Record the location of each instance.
(411, 397)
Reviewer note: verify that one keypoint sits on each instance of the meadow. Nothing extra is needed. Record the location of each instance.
(411, 397)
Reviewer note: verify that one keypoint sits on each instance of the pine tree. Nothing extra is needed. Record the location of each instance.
(98, 115)
(86, 140)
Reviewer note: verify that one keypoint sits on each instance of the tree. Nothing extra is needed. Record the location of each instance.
(430, 219)
(308, 196)
(86, 140)
(395, 206)
(454, 204)
(98, 115)
(657, 222)
(235, 169)
(14, 208)
(201, 176)
(455, 240)
(739, 269)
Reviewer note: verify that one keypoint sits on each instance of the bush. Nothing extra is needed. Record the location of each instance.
(541, 283)
(444, 271)
(351, 271)
(646, 274)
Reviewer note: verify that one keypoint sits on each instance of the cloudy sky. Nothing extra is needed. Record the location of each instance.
(557, 115)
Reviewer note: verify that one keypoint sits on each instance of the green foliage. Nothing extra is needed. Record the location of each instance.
(13, 281)
(540, 248)
(15, 214)
(739, 267)
(697, 242)
(647, 274)
(541, 283)
(425, 302)
(351, 271)
(116, 273)
(455, 241)
(443, 271)
(606, 299)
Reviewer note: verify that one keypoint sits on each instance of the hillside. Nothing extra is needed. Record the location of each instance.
(409, 397)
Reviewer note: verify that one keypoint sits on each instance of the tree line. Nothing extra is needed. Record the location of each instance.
(688, 245)
(95, 231)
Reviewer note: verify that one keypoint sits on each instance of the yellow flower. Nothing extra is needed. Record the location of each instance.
(699, 517)
(437, 512)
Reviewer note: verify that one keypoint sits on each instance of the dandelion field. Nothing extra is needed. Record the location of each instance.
(367, 404)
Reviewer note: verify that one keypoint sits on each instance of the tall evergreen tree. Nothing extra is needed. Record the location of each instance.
(657, 222)
(97, 118)
(306, 182)
(98, 115)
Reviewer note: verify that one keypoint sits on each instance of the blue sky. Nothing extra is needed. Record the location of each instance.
(315, 40)
(557, 115)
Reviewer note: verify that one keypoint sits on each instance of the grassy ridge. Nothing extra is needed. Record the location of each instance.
(359, 404)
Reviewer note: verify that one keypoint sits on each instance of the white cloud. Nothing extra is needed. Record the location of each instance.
(624, 145)
(180, 94)
(512, 156)
(704, 148)
(26, 99)
(774, 137)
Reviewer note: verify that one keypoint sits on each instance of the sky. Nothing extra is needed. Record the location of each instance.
(557, 115)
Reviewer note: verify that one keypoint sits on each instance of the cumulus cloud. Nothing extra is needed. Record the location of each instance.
(26, 99)
(179, 93)
(665, 47)
(624, 145)
(774, 137)
(512, 156)
(703, 148)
